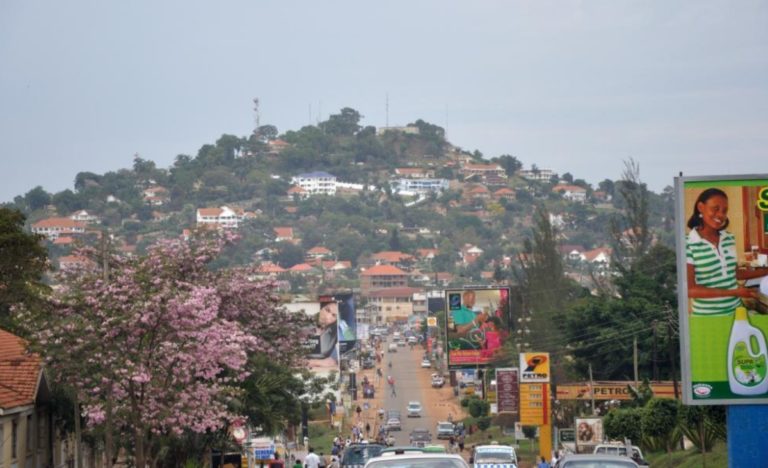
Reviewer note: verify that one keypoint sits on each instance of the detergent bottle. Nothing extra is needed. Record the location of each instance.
(747, 357)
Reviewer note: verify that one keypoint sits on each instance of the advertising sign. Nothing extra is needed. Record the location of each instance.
(589, 432)
(722, 258)
(534, 404)
(507, 390)
(534, 367)
(477, 324)
(605, 391)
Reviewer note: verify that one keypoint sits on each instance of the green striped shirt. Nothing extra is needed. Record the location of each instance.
(714, 267)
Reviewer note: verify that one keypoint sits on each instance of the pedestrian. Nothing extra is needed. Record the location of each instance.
(542, 463)
(367, 430)
(358, 411)
(297, 463)
(322, 463)
(461, 443)
(312, 460)
(394, 393)
(451, 444)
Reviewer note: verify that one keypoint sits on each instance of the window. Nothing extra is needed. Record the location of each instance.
(14, 437)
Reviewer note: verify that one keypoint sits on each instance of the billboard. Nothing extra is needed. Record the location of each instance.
(507, 390)
(477, 323)
(612, 390)
(534, 367)
(341, 308)
(589, 432)
(722, 242)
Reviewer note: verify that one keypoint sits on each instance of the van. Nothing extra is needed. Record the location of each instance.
(501, 456)
(618, 449)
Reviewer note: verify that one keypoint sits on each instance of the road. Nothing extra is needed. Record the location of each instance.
(411, 383)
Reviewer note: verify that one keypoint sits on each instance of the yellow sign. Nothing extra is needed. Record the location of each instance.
(534, 404)
(609, 390)
(762, 200)
(534, 367)
(431, 321)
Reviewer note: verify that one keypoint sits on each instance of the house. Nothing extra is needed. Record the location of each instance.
(572, 193)
(223, 217)
(270, 270)
(573, 253)
(319, 251)
(408, 130)
(600, 257)
(52, 228)
(303, 269)
(316, 183)
(277, 146)
(470, 253)
(427, 254)
(541, 175)
(391, 304)
(382, 277)
(84, 216)
(418, 186)
(25, 432)
(155, 195)
(483, 170)
(478, 192)
(505, 193)
(414, 173)
(389, 257)
(283, 234)
(297, 191)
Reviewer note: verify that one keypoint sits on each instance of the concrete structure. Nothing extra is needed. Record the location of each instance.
(418, 186)
(316, 183)
(382, 277)
(542, 175)
(390, 304)
(572, 193)
(52, 228)
(224, 217)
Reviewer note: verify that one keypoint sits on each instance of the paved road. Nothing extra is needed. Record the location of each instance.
(409, 386)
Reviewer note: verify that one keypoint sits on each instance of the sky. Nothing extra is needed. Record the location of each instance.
(570, 85)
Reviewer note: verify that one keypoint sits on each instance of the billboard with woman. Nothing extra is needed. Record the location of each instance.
(477, 322)
(722, 246)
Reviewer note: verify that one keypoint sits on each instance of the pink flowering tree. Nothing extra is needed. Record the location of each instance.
(160, 345)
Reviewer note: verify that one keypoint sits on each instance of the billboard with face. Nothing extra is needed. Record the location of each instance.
(722, 247)
(477, 323)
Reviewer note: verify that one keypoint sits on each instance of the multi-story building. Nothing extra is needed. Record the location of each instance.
(418, 185)
(316, 183)
(52, 228)
(392, 304)
(224, 217)
(382, 277)
(542, 175)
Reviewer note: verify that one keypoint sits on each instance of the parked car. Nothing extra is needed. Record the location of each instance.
(393, 421)
(420, 437)
(369, 363)
(444, 430)
(594, 460)
(426, 364)
(621, 449)
(437, 381)
(414, 409)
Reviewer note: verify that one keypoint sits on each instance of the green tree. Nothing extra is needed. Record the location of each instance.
(345, 123)
(659, 420)
(23, 261)
(289, 254)
(510, 164)
(267, 132)
(37, 198)
(703, 425)
(624, 423)
(67, 202)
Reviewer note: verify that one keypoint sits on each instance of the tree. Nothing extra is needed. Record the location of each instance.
(37, 198)
(568, 177)
(622, 423)
(158, 345)
(703, 425)
(510, 164)
(394, 240)
(23, 262)
(267, 132)
(659, 420)
(67, 202)
(289, 254)
(631, 232)
(345, 123)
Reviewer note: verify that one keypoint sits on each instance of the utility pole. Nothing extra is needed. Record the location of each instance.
(634, 346)
(591, 389)
(109, 444)
(672, 358)
(655, 364)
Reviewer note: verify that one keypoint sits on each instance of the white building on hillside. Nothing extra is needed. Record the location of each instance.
(315, 183)
(543, 175)
(225, 217)
(412, 186)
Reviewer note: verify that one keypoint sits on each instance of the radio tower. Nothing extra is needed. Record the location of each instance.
(257, 117)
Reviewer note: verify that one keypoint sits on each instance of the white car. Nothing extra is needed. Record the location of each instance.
(442, 460)
(426, 364)
(392, 348)
(414, 409)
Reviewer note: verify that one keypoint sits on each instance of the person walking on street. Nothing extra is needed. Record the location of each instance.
(312, 460)
(542, 463)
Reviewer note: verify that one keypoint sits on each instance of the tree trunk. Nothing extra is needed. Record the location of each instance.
(139, 454)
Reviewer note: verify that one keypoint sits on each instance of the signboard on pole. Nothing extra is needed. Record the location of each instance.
(589, 432)
(477, 323)
(722, 258)
(507, 390)
(606, 391)
(534, 407)
(534, 367)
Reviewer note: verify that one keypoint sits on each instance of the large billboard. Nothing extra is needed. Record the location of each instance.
(507, 390)
(477, 323)
(334, 334)
(722, 247)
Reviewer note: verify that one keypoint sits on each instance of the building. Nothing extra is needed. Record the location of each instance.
(572, 193)
(398, 259)
(25, 434)
(483, 170)
(391, 304)
(409, 130)
(417, 186)
(382, 277)
(84, 216)
(155, 195)
(414, 173)
(52, 228)
(319, 251)
(316, 183)
(470, 253)
(542, 175)
(283, 234)
(224, 217)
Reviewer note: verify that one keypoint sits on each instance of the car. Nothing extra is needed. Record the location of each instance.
(356, 455)
(417, 460)
(621, 449)
(437, 381)
(420, 437)
(444, 430)
(426, 364)
(493, 455)
(412, 340)
(401, 342)
(369, 363)
(414, 409)
(393, 421)
(594, 460)
(392, 348)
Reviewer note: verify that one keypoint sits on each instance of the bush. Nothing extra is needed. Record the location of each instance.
(479, 408)
(659, 420)
(529, 432)
(624, 423)
(484, 423)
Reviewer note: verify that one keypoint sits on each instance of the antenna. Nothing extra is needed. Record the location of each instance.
(386, 125)
(257, 116)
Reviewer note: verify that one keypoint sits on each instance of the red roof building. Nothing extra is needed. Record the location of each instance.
(382, 276)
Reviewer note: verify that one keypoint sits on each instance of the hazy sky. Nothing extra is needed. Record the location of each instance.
(575, 86)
